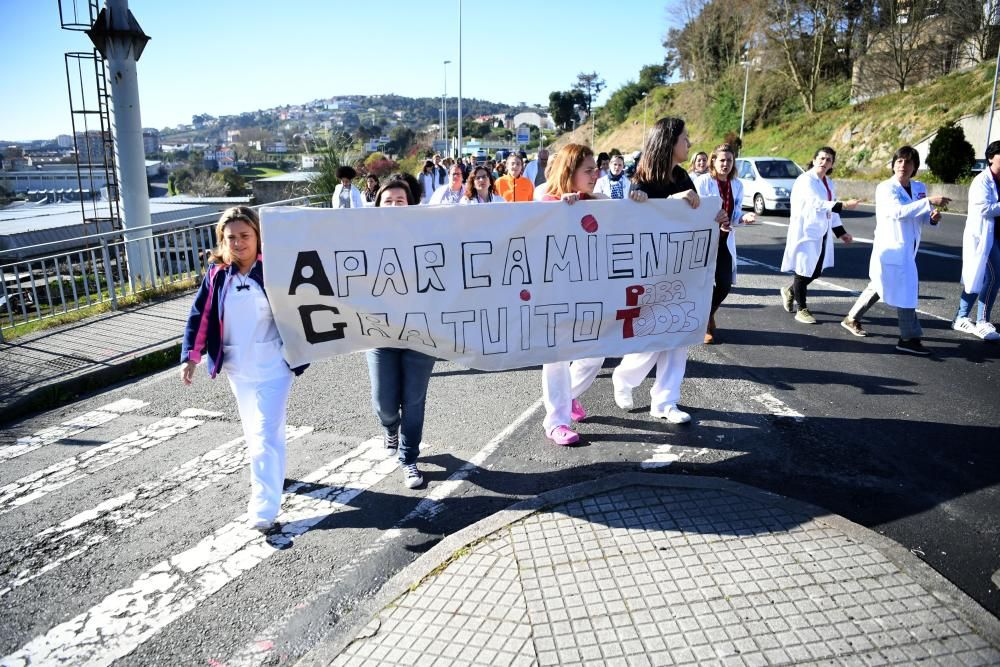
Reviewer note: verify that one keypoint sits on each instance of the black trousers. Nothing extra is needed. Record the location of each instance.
(723, 273)
(799, 283)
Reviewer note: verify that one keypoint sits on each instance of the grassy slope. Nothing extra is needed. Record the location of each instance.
(866, 134)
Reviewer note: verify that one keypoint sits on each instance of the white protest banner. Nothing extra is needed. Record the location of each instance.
(493, 286)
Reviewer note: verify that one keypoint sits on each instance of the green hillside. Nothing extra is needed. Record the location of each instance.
(865, 134)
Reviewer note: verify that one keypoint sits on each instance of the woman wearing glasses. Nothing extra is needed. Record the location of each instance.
(451, 192)
(479, 188)
(249, 348)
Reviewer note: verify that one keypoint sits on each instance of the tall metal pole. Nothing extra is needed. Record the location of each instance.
(643, 147)
(118, 37)
(444, 107)
(593, 129)
(993, 101)
(459, 119)
(746, 81)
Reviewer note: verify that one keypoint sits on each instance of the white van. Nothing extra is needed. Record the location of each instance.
(767, 182)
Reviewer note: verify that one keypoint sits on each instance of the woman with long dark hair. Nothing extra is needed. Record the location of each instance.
(659, 175)
(815, 213)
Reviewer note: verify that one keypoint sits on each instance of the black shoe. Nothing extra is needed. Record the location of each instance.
(912, 346)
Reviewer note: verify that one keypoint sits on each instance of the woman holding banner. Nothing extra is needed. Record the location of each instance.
(659, 175)
(250, 348)
(399, 378)
(573, 177)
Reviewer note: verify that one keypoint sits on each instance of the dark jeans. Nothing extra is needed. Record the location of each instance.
(399, 392)
(799, 283)
(723, 273)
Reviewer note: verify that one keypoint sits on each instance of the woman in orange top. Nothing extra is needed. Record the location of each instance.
(513, 186)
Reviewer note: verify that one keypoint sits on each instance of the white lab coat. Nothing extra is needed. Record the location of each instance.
(898, 220)
(706, 186)
(984, 205)
(604, 185)
(357, 201)
(811, 218)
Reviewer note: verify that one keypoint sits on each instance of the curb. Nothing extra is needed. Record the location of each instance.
(433, 561)
(71, 387)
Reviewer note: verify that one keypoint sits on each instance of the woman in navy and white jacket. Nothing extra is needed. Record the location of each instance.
(720, 181)
(232, 327)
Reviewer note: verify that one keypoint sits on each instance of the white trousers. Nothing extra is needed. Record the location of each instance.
(561, 383)
(263, 406)
(666, 390)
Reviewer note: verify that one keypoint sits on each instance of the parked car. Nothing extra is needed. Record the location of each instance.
(978, 166)
(767, 182)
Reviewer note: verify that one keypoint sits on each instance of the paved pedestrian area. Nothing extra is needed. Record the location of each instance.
(99, 346)
(659, 570)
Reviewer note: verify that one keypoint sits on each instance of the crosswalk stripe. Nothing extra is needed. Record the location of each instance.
(69, 428)
(662, 456)
(260, 650)
(777, 408)
(41, 483)
(73, 537)
(130, 616)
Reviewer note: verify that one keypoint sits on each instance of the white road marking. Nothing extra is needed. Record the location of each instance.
(935, 253)
(41, 483)
(777, 408)
(69, 428)
(835, 286)
(259, 651)
(662, 457)
(128, 617)
(73, 537)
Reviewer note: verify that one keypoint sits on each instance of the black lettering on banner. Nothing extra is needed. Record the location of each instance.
(566, 258)
(550, 311)
(587, 324)
(525, 327)
(681, 243)
(458, 320)
(702, 245)
(593, 271)
(350, 264)
(415, 328)
(428, 259)
(334, 332)
(494, 342)
(309, 271)
(517, 258)
(653, 257)
(621, 255)
(390, 271)
(470, 250)
(374, 324)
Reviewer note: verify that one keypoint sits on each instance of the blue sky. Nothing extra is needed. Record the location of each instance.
(226, 56)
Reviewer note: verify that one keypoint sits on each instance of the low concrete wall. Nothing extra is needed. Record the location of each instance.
(865, 191)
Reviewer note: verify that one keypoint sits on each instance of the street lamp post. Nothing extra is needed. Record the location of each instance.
(746, 81)
(459, 119)
(643, 121)
(444, 107)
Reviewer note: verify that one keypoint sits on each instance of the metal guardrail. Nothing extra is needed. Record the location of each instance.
(97, 273)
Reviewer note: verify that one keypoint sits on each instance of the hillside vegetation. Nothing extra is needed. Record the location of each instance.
(865, 134)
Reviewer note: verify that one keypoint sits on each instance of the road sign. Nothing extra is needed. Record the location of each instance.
(523, 134)
(384, 139)
(439, 145)
(371, 146)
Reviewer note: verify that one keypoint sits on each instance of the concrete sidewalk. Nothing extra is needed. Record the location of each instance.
(47, 368)
(643, 569)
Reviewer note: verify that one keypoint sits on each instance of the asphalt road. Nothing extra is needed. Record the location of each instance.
(122, 529)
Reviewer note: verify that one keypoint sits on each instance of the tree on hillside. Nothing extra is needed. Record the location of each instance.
(235, 185)
(207, 185)
(950, 155)
(804, 32)
(907, 41)
(590, 86)
(712, 39)
(326, 179)
(561, 105)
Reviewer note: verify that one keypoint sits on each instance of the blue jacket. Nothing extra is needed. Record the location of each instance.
(203, 332)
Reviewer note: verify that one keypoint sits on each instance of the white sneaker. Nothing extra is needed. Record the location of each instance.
(623, 399)
(260, 525)
(965, 325)
(672, 414)
(411, 476)
(986, 331)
